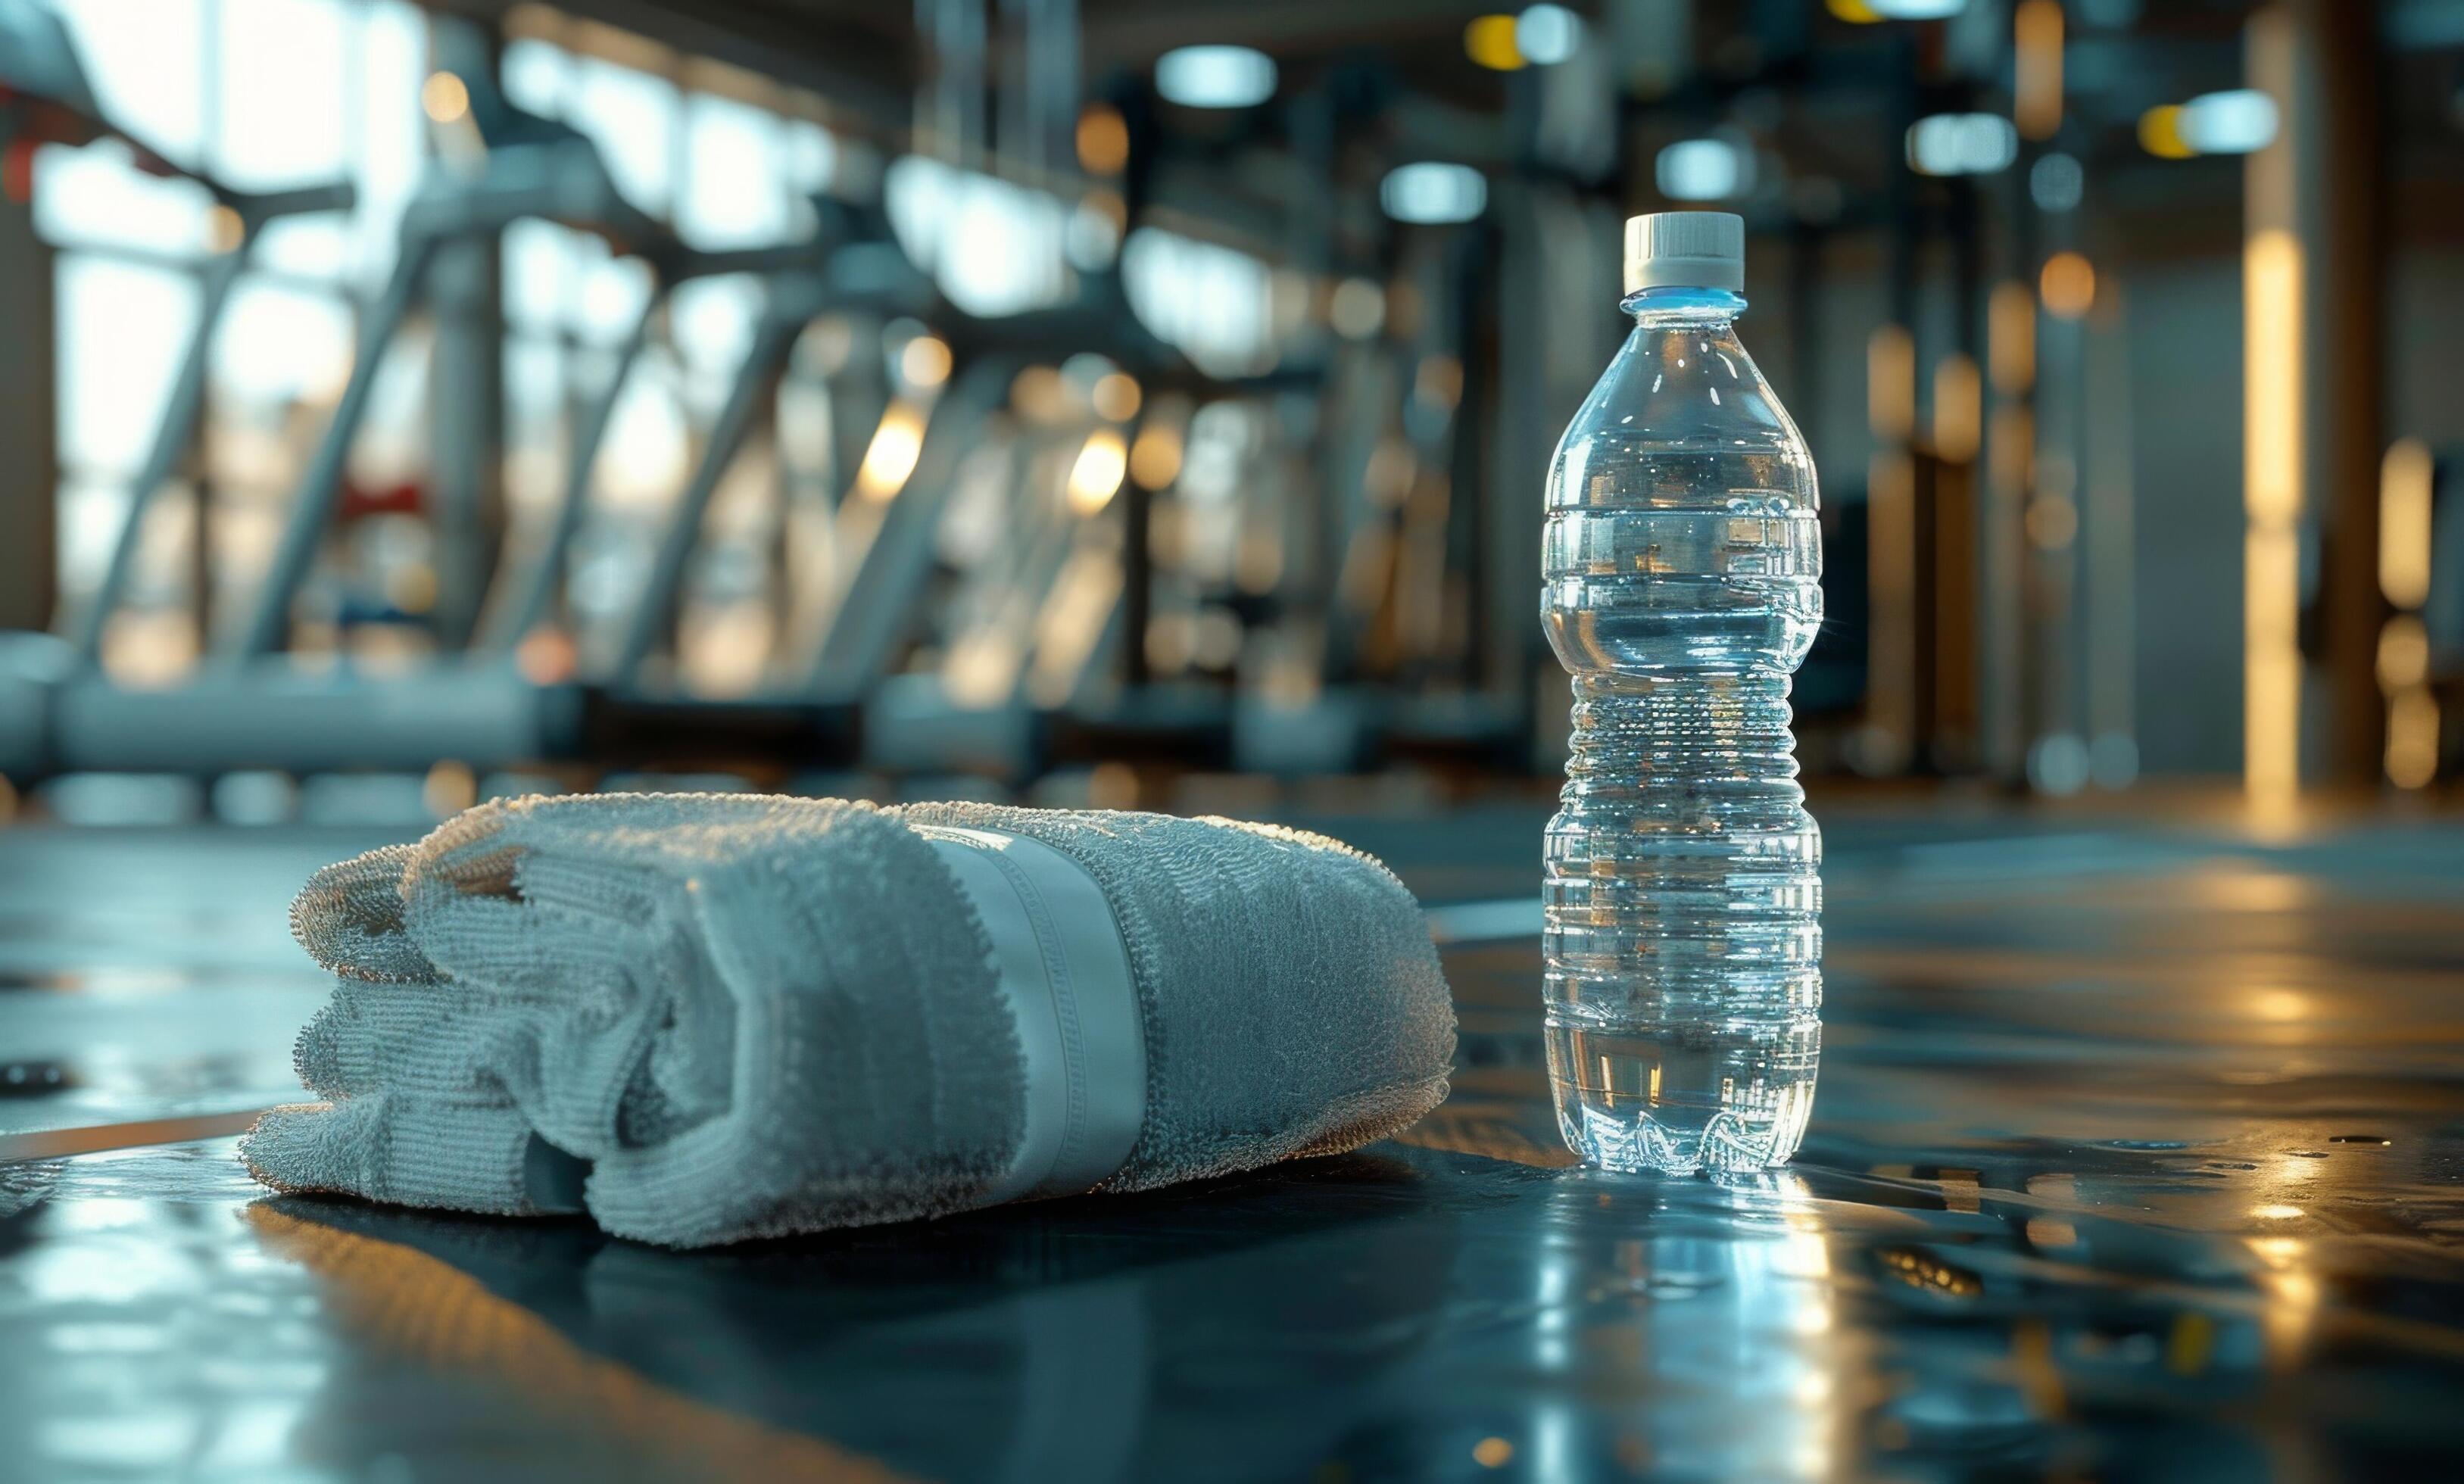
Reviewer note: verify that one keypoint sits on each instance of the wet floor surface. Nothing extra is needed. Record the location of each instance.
(2138, 1153)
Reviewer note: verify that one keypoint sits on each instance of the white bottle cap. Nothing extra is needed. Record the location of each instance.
(1692, 250)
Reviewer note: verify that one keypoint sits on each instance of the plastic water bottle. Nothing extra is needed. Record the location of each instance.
(1681, 584)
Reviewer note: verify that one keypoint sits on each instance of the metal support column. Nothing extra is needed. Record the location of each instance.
(268, 624)
(533, 590)
(2341, 206)
(752, 399)
(467, 433)
(2313, 335)
(28, 454)
(466, 498)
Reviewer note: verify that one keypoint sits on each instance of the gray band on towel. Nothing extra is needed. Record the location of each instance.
(1065, 973)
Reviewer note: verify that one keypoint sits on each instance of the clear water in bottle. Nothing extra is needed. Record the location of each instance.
(1681, 585)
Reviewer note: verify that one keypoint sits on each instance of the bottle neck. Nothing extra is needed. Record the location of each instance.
(1670, 304)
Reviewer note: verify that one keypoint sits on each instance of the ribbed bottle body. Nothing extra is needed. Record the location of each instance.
(1680, 587)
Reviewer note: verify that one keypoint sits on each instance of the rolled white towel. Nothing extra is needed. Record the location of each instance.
(707, 1017)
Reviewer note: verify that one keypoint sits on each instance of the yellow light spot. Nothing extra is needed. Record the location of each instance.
(1958, 409)
(1490, 41)
(2412, 739)
(2407, 482)
(890, 457)
(2276, 1213)
(925, 362)
(1103, 141)
(1155, 461)
(1096, 476)
(2246, 888)
(2271, 502)
(445, 97)
(2296, 1294)
(2053, 523)
(2272, 358)
(2280, 1005)
(1855, 12)
(1040, 395)
(2036, 68)
(1116, 396)
(2271, 668)
(2068, 285)
(449, 788)
(2404, 654)
(2159, 133)
(223, 229)
(1492, 1453)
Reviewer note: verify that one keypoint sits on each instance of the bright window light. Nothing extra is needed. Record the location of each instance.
(1214, 304)
(994, 246)
(632, 116)
(729, 195)
(1915, 9)
(132, 323)
(1962, 144)
(1431, 192)
(2238, 121)
(146, 74)
(86, 196)
(1704, 169)
(284, 92)
(1547, 34)
(1216, 76)
(534, 74)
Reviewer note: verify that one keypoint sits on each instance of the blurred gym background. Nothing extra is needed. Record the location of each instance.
(1118, 401)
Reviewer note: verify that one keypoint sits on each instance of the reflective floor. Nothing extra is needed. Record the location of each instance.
(2137, 1155)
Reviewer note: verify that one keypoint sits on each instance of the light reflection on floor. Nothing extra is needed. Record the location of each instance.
(2134, 1156)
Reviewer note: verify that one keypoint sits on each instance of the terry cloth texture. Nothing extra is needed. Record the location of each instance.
(709, 1017)
(1293, 999)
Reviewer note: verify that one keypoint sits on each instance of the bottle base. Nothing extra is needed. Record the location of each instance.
(1637, 1143)
(1675, 1100)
